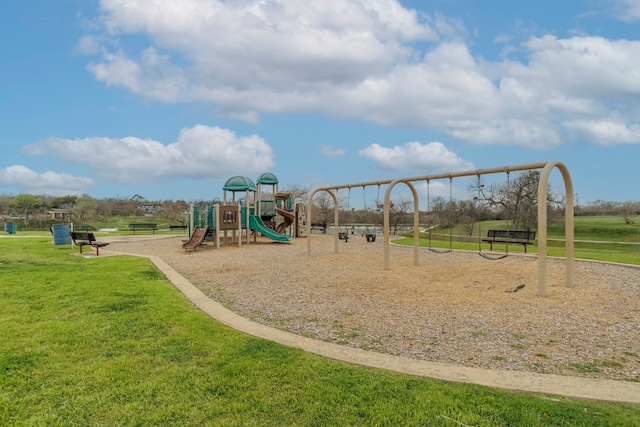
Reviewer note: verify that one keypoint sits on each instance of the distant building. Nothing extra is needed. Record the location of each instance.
(60, 214)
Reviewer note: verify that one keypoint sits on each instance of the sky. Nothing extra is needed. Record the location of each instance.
(169, 99)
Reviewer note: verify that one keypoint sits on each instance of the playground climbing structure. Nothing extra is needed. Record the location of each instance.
(234, 219)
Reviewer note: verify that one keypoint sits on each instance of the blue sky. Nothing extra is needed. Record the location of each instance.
(169, 99)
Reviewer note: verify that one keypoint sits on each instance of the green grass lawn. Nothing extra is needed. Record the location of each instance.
(109, 341)
(603, 251)
(604, 228)
(605, 238)
(592, 228)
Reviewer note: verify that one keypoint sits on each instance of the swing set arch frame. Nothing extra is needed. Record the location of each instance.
(547, 168)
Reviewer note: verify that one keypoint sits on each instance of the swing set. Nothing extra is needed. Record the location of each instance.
(368, 234)
(546, 167)
(506, 242)
(430, 226)
(344, 235)
(495, 236)
(508, 236)
(371, 237)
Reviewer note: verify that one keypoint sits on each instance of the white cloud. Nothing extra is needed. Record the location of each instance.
(201, 152)
(153, 77)
(331, 151)
(90, 45)
(368, 60)
(441, 189)
(426, 159)
(48, 183)
(590, 67)
(604, 132)
(244, 46)
(627, 10)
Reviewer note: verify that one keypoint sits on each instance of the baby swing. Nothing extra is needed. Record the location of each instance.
(371, 237)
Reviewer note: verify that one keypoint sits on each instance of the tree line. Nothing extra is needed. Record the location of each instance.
(514, 202)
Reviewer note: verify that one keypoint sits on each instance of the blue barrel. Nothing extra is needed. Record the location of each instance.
(60, 234)
(9, 227)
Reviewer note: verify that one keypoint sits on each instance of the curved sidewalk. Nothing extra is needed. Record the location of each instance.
(571, 387)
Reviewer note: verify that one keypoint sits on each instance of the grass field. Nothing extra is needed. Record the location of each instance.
(596, 238)
(602, 228)
(110, 341)
(590, 228)
(627, 253)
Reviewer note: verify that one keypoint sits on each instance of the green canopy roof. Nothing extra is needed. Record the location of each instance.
(267, 178)
(239, 183)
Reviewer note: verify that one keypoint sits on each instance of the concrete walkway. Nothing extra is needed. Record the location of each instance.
(570, 387)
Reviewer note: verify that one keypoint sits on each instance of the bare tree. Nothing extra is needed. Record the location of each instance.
(115, 206)
(174, 211)
(601, 207)
(85, 208)
(322, 212)
(628, 209)
(465, 214)
(137, 204)
(517, 200)
(399, 212)
(298, 193)
(439, 206)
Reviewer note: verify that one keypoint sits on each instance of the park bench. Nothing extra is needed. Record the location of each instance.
(81, 239)
(517, 237)
(143, 226)
(319, 227)
(173, 228)
(82, 227)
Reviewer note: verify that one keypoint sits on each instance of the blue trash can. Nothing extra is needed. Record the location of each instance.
(9, 228)
(60, 234)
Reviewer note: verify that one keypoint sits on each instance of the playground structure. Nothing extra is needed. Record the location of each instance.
(234, 220)
(546, 167)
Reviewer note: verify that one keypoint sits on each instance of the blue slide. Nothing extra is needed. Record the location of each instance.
(256, 224)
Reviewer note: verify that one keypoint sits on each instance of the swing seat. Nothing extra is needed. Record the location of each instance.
(371, 237)
(492, 258)
(342, 235)
(443, 251)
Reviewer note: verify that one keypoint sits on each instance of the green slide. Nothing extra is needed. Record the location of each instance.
(256, 224)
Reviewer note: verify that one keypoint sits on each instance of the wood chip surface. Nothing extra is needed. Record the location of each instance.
(453, 308)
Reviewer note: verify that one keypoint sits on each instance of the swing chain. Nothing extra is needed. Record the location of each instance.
(364, 197)
(480, 252)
